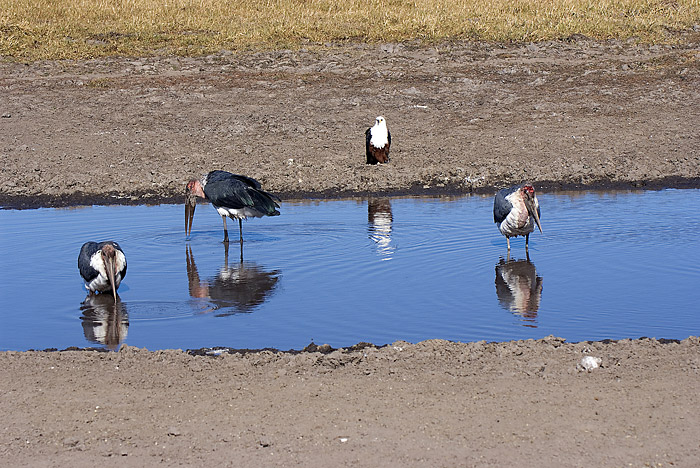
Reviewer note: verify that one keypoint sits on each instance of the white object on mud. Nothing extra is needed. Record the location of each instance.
(588, 363)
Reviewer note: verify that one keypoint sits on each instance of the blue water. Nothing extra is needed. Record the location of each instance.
(609, 265)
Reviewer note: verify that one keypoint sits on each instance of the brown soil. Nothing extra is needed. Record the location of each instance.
(464, 117)
(433, 403)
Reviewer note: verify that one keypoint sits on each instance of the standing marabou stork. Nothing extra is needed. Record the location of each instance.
(233, 195)
(378, 142)
(515, 212)
(102, 266)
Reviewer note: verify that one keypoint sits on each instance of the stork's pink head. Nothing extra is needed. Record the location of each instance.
(194, 188)
(528, 191)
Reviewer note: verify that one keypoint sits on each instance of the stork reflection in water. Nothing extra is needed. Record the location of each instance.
(380, 225)
(242, 286)
(519, 288)
(105, 321)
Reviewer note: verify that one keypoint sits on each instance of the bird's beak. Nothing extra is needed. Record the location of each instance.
(111, 267)
(533, 212)
(190, 205)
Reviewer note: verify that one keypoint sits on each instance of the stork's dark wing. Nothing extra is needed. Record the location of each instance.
(218, 176)
(86, 252)
(236, 193)
(501, 206)
(368, 137)
(388, 134)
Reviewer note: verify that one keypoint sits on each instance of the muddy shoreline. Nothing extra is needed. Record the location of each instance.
(464, 117)
(48, 201)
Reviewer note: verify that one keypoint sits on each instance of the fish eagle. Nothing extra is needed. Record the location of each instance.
(377, 142)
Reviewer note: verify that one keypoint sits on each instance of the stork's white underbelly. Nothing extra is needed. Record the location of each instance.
(101, 283)
(514, 227)
(518, 222)
(239, 213)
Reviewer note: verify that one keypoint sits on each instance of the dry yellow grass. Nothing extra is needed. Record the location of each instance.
(33, 29)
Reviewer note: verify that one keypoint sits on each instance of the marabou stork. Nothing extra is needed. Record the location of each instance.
(102, 266)
(515, 212)
(233, 195)
(378, 142)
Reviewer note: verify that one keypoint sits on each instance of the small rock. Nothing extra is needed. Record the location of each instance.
(70, 442)
(588, 363)
(264, 442)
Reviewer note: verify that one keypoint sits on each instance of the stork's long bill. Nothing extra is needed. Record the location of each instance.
(529, 199)
(192, 191)
(109, 258)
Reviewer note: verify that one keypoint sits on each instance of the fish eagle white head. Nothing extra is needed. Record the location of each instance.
(378, 142)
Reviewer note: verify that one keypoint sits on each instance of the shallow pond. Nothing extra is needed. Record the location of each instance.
(609, 265)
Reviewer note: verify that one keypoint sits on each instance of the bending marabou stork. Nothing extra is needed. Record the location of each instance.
(234, 196)
(515, 212)
(378, 142)
(102, 266)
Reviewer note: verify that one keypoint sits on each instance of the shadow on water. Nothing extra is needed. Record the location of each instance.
(379, 226)
(519, 288)
(241, 287)
(104, 321)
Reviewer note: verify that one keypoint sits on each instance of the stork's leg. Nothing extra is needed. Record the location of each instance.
(527, 242)
(225, 230)
(240, 230)
(508, 240)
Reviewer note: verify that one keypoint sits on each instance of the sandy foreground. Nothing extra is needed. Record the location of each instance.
(433, 403)
(464, 118)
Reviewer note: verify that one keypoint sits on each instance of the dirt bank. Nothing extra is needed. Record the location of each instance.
(463, 117)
